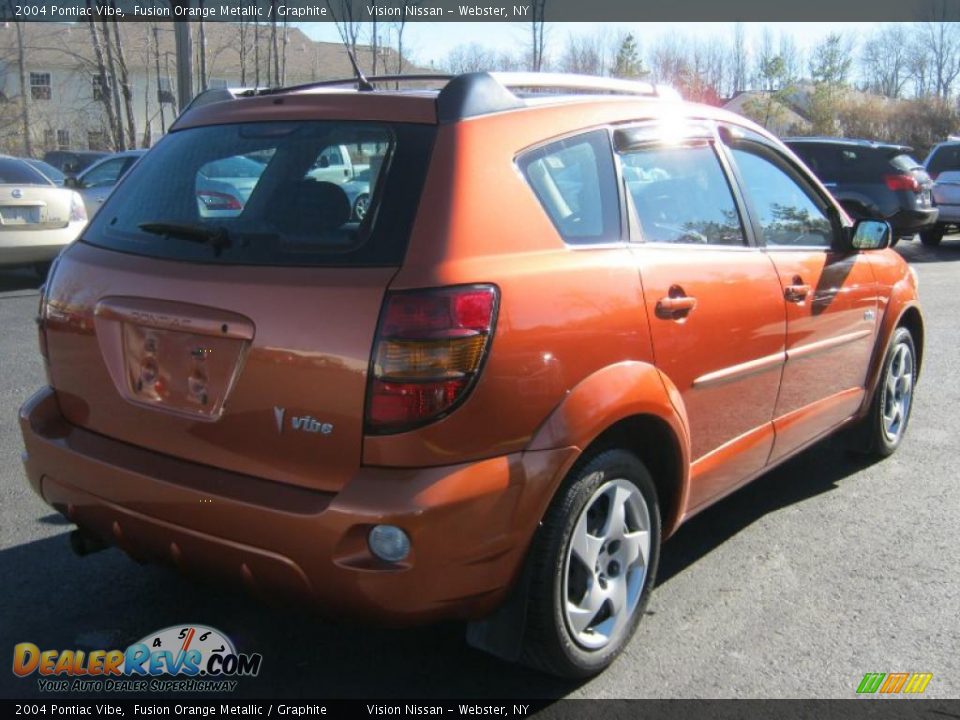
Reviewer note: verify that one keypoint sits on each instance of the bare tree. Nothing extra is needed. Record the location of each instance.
(537, 39)
(103, 84)
(273, 45)
(121, 143)
(346, 22)
(583, 54)
(125, 87)
(740, 60)
(884, 61)
(24, 93)
(941, 41)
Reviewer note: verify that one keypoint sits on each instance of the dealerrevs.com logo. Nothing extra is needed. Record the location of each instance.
(180, 658)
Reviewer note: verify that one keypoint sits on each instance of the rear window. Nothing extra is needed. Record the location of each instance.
(268, 194)
(17, 172)
(944, 159)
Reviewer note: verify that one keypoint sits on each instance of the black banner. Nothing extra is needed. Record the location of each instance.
(545, 709)
(480, 10)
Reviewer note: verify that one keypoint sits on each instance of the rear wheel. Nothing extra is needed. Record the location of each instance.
(882, 430)
(593, 566)
(932, 237)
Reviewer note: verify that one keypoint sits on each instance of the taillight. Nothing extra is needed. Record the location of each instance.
(429, 348)
(213, 200)
(42, 314)
(78, 213)
(902, 182)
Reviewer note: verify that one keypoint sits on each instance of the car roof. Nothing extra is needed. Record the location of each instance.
(851, 142)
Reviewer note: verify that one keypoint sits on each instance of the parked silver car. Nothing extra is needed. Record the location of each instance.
(96, 182)
(943, 166)
(37, 218)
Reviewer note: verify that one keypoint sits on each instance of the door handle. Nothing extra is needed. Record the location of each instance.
(797, 291)
(675, 307)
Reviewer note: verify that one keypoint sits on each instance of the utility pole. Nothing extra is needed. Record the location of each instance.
(184, 64)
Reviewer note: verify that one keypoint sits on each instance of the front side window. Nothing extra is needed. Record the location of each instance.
(786, 213)
(680, 194)
(575, 182)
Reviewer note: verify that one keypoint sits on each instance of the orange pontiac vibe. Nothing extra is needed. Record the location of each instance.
(469, 353)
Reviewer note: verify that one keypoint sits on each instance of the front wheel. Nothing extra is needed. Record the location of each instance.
(594, 561)
(882, 430)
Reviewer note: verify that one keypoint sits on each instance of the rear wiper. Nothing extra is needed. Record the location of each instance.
(218, 238)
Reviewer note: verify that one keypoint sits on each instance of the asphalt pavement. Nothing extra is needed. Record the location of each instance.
(824, 569)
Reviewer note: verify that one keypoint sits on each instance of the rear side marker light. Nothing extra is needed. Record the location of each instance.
(902, 182)
(429, 349)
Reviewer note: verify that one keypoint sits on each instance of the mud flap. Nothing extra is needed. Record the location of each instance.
(501, 634)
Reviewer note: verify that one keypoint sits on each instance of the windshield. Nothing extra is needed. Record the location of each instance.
(258, 186)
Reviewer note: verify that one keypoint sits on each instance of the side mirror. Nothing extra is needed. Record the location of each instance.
(71, 182)
(869, 235)
(324, 161)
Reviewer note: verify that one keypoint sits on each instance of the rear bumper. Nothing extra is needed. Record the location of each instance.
(910, 222)
(469, 524)
(19, 247)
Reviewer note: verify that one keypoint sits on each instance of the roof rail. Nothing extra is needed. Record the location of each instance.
(356, 82)
(481, 93)
(470, 94)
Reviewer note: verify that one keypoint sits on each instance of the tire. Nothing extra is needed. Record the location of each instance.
(932, 237)
(580, 638)
(881, 432)
(360, 206)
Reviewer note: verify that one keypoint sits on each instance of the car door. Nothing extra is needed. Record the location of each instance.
(831, 297)
(713, 301)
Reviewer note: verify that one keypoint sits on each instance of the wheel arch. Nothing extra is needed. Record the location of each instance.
(630, 405)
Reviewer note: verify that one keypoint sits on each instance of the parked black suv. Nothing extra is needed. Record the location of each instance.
(872, 180)
(73, 161)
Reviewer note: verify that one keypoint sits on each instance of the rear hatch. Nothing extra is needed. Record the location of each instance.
(239, 337)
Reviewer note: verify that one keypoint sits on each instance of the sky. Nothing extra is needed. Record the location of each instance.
(432, 41)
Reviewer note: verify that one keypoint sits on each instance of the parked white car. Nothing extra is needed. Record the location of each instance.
(37, 218)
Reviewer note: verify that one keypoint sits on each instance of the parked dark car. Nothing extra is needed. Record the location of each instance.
(873, 180)
(943, 166)
(73, 161)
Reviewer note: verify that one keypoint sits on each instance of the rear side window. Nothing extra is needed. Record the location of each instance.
(944, 159)
(575, 182)
(904, 163)
(17, 172)
(251, 193)
(680, 194)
